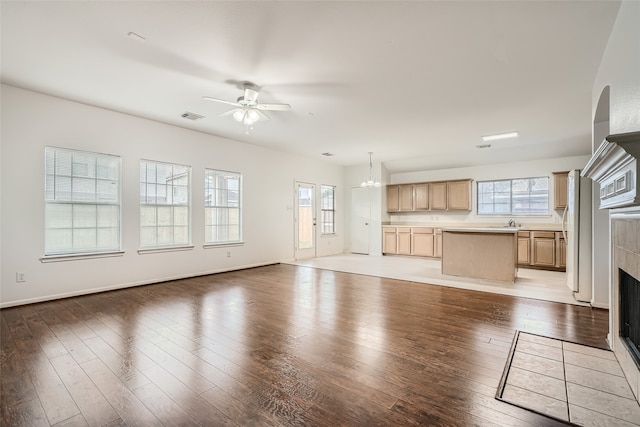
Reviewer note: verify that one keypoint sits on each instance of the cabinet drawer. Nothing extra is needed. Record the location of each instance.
(524, 233)
(422, 230)
(543, 234)
(403, 230)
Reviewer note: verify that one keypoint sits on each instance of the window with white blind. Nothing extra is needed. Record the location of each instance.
(82, 202)
(164, 205)
(327, 209)
(523, 196)
(222, 205)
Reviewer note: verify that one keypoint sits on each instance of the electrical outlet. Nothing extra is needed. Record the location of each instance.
(228, 254)
(20, 277)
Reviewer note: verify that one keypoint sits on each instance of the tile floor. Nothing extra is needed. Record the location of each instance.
(575, 383)
(530, 283)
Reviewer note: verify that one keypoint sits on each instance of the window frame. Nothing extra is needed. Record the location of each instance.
(323, 210)
(51, 199)
(213, 206)
(511, 197)
(171, 246)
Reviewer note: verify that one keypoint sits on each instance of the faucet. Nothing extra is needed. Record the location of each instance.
(511, 223)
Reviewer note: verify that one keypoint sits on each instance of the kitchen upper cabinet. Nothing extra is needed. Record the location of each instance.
(459, 195)
(560, 180)
(422, 240)
(406, 197)
(438, 196)
(421, 197)
(543, 248)
(404, 241)
(393, 198)
(429, 196)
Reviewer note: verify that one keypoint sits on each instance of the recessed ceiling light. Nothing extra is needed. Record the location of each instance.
(500, 136)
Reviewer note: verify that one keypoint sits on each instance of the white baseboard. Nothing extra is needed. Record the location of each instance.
(128, 285)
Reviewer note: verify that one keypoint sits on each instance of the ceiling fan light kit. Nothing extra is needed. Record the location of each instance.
(247, 108)
(370, 182)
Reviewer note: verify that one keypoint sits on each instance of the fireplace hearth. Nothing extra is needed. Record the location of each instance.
(630, 314)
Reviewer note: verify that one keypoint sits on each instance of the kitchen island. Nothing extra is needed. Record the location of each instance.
(482, 252)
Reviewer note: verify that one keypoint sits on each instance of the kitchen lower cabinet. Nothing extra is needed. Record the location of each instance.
(422, 241)
(389, 240)
(524, 248)
(542, 249)
(561, 251)
(404, 241)
(415, 241)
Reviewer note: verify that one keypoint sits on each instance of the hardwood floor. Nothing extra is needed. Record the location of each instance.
(275, 345)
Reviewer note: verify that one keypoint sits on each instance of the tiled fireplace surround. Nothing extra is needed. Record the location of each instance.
(625, 230)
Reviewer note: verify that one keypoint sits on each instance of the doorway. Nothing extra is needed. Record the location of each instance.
(305, 221)
(360, 220)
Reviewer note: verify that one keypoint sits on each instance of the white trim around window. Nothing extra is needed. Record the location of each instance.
(82, 204)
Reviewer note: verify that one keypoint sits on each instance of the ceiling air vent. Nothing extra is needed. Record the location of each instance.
(192, 116)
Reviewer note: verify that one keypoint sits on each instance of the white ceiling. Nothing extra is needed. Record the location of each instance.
(417, 83)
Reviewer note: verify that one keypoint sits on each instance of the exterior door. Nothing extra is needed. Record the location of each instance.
(305, 221)
(360, 220)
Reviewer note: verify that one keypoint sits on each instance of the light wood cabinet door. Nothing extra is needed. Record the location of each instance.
(404, 241)
(422, 241)
(421, 197)
(437, 249)
(560, 180)
(524, 251)
(393, 198)
(459, 195)
(406, 197)
(561, 251)
(438, 196)
(390, 241)
(543, 249)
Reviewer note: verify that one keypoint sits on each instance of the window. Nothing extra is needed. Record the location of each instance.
(82, 202)
(328, 209)
(164, 204)
(222, 203)
(526, 196)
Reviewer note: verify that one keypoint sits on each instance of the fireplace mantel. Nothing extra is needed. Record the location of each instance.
(614, 166)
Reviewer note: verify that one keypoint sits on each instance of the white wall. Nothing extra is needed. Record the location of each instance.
(528, 169)
(30, 121)
(620, 70)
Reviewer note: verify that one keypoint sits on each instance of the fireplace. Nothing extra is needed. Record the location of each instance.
(615, 166)
(630, 314)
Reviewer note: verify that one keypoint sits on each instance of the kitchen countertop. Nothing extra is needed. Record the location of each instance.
(498, 229)
(467, 225)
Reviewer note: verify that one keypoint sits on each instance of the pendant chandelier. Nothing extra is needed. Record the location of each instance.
(370, 182)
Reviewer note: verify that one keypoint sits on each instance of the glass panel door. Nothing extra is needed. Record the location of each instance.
(305, 221)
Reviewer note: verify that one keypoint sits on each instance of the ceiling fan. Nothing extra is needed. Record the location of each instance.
(247, 108)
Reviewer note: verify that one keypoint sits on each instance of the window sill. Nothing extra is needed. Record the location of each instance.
(77, 257)
(165, 249)
(222, 245)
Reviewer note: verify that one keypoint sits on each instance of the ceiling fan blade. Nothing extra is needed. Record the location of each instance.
(228, 113)
(208, 98)
(262, 115)
(274, 107)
